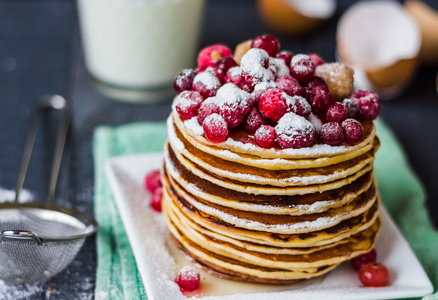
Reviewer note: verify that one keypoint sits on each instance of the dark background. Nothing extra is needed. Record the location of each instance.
(40, 53)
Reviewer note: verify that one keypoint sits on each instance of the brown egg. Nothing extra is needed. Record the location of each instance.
(295, 17)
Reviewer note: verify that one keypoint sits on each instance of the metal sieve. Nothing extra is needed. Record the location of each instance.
(39, 240)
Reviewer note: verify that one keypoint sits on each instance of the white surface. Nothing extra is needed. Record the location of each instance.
(158, 261)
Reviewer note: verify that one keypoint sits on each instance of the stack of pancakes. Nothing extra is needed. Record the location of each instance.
(268, 215)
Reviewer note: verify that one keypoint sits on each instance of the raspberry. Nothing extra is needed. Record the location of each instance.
(320, 99)
(152, 180)
(294, 131)
(210, 55)
(206, 83)
(272, 104)
(222, 66)
(157, 196)
(339, 78)
(352, 107)
(234, 76)
(234, 104)
(317, 60)
(187, 104)
(360, 260)
(266, 42)
(297, 105)
(353, 131)
(215, 128)
(254, 120)
(289, 85)
(265, 136)
(332, 134)
(241, 49)
(286, 56)
(374, 274)
(369, 104)
(336, 112)
(302, 67)
(183, 81)
(208, 107)
(188, 279)
(260, 88)
(256, 63)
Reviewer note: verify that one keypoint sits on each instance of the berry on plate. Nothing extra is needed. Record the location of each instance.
(374, 274)
(360, 260)
(188, 279)
(152, 180)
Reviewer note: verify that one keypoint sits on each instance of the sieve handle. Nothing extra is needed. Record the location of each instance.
(47, 101)
(21, 235)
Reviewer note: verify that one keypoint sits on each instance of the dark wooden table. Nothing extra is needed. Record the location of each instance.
(40, 53)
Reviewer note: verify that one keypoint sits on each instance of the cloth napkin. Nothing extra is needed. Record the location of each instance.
(117, 275)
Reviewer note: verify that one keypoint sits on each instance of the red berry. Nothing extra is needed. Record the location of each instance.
(244, 82)
(316, 121)
(281, 69)
(260, 88)
(302, 67)
(254, 120)
(265, 136)
(210, 55)
(266, 42)
(286, 56)
(152, 180)
(320, 99)
(374, 274)
(289, 85)
(298, 105)
(188, 279)
(353, 131)
(317, 60)
(234, 104)
(272, 104)
(256, 63)
(183, 81)
(332, 134)
(215, 128)
(336, 112)
(369, 104)
(206, 84)
(187, 104)
(294, 131)
(352, 107)
(222, 66)
(208, 107)
(360, 260)
(157, 196)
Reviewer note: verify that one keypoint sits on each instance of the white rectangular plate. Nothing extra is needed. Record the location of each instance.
(158, 260)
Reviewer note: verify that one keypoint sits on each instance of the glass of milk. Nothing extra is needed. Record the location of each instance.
(139, 44)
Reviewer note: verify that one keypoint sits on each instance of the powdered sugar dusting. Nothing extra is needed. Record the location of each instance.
(171, 135)
(207, 79)
(231, 96)
(281, 68)
(296, 60)
(193, 125)
(255, 63)
(292, 125)
(262, 86)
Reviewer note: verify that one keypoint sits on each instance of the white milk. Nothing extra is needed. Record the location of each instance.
(139, 44)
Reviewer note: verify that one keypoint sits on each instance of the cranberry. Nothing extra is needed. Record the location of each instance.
(208, 107)
(336, 112)
(234, 76)
(210, 55)
(265, 136)
(157, 196)
(188, 279)
(360, 260)
(369, 104)
(234, 104)
(152, 180)
(332, 134)
(311, 84)
(317, 60)
(353, 131)
(374, 274)
(254, 120)
(256, 64)
(289, 85)
(286, 56)
(302, 67)
(268, 43)
(351, 106)
(294, 131)
(272, 104)
(222, 66)
(320, 99)
(298, 105)
(215, 128)
(206, 83)
(183, 81)
(187, 104)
